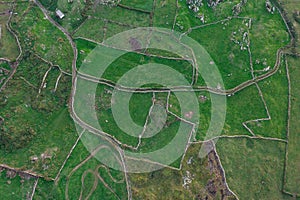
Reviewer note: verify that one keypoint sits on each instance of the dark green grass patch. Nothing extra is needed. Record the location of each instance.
(130, 60)
(84, 48)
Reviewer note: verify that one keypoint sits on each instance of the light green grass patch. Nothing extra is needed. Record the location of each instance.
(92, 29)
(15, 188)
(8, 45)
(293, 161)
(120, 15)
(275, 93)
(233, 63)
(37, 34)
(36, 123)
(164, 13)
(254, 167)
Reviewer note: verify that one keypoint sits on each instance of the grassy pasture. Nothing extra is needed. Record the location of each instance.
(136, 4)
(131, 60)
(275, 92)
(92, 29)
(164, 13)
(8, 44)
(38, 35)
(254, 168)
(46, 124)
(293, 161)
(15, 188)
(139, 106)
(267, 35)
(168, 183)
(120, 15)
(233, 63)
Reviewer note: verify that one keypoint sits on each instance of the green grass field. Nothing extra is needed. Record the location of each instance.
(164, 15)
(46, 125)
(120, 15)
(169, 183)
(92, 29)
(37, 121)
(8, 44)
(293, 158)
(135, 4)
(275, 93)
(254, 168)
(38, 35)
(15, 188)
(291, 7)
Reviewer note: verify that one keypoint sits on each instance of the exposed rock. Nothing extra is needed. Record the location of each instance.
(108, 2)
(213, 3)
(11, 174)
(194, 5)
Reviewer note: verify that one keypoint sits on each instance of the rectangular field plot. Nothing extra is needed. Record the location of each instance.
(138, 107)
(164, 13)
(254, 167)
(275, 93)
(293, 156)
(92, 29)
(231, 59)
(169, 182)
(8, 44)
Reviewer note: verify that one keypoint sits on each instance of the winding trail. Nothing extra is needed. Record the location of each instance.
(74, 79)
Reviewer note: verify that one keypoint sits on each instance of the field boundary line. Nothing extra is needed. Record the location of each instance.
(34, 188)
(133, 9)
(222, 169)
(287, 133)
(68, 156)
(242, 136)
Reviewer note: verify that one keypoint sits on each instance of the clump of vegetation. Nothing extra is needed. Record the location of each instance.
(296, 16)
(13, 138)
